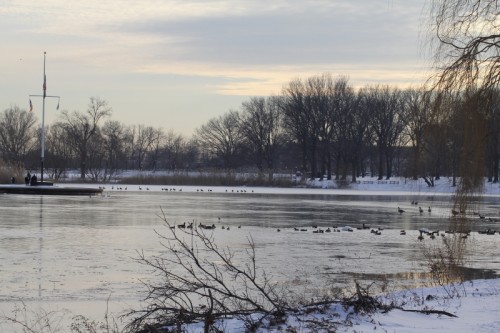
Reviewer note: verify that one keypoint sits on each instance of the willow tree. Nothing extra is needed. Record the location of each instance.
(468, 61)
(467, 55)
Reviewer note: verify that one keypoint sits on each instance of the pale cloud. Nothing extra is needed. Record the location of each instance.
(198, 48)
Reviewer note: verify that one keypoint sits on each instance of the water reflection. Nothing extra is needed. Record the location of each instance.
(80, 250)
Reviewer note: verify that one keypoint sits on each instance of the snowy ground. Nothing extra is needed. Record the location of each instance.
(470, 307)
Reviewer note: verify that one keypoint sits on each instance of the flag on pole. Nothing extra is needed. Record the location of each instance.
(31, 106)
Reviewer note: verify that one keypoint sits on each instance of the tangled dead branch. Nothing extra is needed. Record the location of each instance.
(198, 281)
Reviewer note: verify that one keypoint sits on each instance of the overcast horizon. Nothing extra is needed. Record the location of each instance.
(177, 64)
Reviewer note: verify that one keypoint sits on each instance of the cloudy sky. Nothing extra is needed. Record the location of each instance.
(176, 64)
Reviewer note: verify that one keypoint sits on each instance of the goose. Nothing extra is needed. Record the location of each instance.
(429, 209)
(420, 237)
(420, 210)
(400, 211)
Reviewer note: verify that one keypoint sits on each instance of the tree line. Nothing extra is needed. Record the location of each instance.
(319, 127)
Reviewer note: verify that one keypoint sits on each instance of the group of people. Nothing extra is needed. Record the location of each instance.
(30, 180)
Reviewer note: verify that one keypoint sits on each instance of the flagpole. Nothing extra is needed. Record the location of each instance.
(44, 95)
(42, 153)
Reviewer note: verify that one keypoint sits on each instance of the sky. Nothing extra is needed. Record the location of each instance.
(177, 64)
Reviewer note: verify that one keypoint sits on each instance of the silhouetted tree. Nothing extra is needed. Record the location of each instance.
(81, 127)
(221, 138)
(261, 125)
(17, 134)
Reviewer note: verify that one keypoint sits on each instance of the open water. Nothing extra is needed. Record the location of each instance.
(79, 253)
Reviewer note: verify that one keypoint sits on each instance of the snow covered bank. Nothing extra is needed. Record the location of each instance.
(475, 305)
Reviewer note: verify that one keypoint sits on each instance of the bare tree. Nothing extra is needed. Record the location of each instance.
(174, 150)
(387, 123)
(493, 123)
(221, 138)
(321, 114)
(354, 127)
(419, 108)
(261, 125)
(59, 152)
(158, 138)
(310, 120)
(81, 127)
(203, 282)
(17, 134)
(296, 119)
(143, 142)
(343, 118)
(114, 138)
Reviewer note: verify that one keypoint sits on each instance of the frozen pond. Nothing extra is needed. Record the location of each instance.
(76, 252)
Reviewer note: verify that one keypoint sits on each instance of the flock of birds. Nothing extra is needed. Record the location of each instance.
(316, 229)
(171, 189)
(454, 212)
(376, 231)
